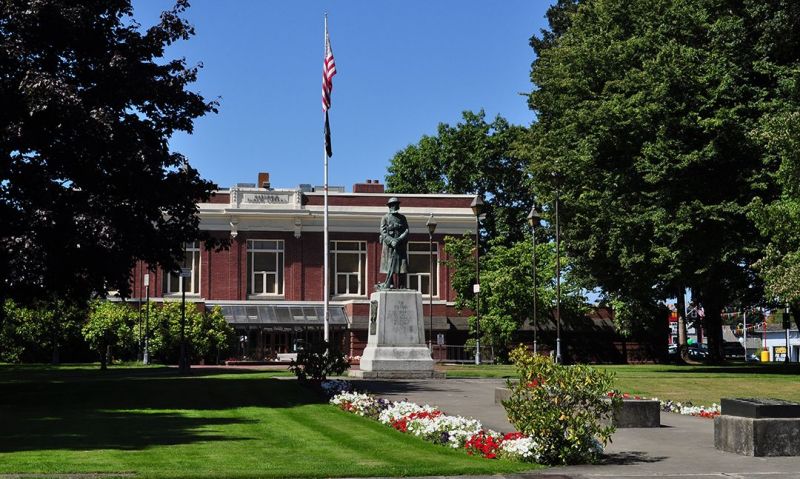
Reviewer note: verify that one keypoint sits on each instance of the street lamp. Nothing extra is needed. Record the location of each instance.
(534, 219)
(431, 224)
(146, 355)
(477, 209)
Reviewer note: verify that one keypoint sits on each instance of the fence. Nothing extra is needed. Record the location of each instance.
(461, 354)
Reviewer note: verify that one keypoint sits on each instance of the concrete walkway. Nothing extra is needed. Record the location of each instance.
(682, 448)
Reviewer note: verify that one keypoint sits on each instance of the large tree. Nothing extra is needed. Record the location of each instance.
(88, 183)
(648, 110)
(472, 157)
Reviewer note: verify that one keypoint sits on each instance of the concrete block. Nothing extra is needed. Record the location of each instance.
(631, 412)
(757, 436)
(637, 413)
(760, 408)
(501, 394)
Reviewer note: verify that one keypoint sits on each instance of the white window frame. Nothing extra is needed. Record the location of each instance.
(280, 261)
(193, 286)
(436, 265)
(362, 266)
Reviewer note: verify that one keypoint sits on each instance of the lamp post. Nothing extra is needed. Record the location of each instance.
(477, 209)
(431, 224)
(534, 219)
(183, 362)
(558, 282)
(146, 354)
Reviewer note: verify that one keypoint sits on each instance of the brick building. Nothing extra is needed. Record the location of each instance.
(269, 284)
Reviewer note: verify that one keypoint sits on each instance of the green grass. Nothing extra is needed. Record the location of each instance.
(153, 423)
(699, 384)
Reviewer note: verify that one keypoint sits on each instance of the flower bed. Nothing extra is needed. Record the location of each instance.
(434, 426)
(685, 409)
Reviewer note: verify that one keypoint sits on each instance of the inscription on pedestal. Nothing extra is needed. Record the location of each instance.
(401, 314)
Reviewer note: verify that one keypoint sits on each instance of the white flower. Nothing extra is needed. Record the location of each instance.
(523, 448)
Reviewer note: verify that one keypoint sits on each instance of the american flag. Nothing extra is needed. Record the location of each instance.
(328, 71)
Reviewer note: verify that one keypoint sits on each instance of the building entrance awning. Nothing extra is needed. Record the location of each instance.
(281, 314)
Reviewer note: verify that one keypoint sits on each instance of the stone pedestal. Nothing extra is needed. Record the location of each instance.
(758, 427)
(396, 343)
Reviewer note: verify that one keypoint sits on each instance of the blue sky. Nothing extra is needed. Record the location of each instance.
(403, 67)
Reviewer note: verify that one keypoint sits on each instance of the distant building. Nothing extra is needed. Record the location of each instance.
(269, 284)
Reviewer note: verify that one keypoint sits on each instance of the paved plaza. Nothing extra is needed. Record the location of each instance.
(682, 448)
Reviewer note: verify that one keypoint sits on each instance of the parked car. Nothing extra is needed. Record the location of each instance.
(696, 352)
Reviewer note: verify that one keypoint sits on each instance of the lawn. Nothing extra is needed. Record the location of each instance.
(699, 384)
(213, 423)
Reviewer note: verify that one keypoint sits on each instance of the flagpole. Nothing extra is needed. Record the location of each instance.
(326, 272)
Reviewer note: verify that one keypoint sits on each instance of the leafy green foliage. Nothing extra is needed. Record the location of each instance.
(317, 361)
(507, 286)
(779, 220)
(650, 112)
(42, 332)
(88, 184)
(563, 408)
(207, 333)
(110, 324)
(473, 157)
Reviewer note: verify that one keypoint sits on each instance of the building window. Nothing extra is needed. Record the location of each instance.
(191, 259)
(265, 267)
(420, 276)
(348, 261)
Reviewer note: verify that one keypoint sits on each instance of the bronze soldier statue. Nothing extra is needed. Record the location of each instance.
(394, 238)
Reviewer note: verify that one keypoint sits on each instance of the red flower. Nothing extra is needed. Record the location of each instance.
(400, 424)
(482, 444)
(512, 436)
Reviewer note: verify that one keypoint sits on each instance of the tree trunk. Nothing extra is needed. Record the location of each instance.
(713, 324)
(103, 352)
(109, 357)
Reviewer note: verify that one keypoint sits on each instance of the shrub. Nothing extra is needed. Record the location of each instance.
(317, 361)
(563, 409)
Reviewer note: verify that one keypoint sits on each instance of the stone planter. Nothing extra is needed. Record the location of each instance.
(758, 427)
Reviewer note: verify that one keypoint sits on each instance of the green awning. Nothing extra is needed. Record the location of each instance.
(280, 314)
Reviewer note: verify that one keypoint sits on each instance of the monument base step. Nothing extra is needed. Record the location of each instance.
(396, 374)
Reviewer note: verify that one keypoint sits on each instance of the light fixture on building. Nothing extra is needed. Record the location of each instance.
(234, 222)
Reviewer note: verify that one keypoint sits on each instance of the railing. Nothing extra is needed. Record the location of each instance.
(461, 354)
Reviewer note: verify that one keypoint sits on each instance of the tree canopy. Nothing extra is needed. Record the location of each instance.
(88, 183)
(654, 114)
(472, 157)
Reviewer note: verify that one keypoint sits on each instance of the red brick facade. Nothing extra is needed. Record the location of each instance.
(295, 217)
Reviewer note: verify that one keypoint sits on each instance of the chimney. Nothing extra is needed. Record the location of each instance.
(263, 180)
(369, 186)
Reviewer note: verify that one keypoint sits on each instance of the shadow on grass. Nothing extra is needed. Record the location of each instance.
(85, 430)
(90, 409)
(754, 369)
